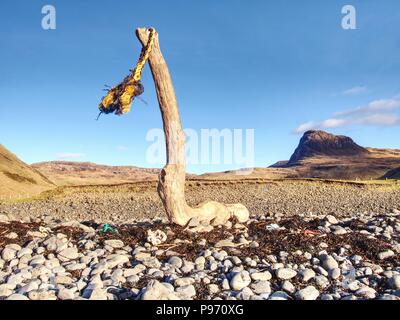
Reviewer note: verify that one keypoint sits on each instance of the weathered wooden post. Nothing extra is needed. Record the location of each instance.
(171, 185)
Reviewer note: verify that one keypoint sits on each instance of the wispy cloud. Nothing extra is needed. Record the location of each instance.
(122, 148)
(69, 155)
(355, 91)
(374, 106)
(380, 119)
(376, 113)
(305, 127)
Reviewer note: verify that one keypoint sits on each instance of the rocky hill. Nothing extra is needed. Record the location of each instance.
(321, 143)
(65, 173)
(17, 179)
(327, 156)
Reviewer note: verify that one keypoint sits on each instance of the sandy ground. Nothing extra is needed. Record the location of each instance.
(125, 203)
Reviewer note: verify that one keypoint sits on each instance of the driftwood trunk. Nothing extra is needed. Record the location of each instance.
(171, 185)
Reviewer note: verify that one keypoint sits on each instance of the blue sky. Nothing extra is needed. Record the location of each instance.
(279, 67)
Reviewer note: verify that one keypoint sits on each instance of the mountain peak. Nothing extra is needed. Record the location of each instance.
(321, 143)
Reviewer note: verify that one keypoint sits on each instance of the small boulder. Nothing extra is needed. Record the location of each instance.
(308, 293)
(157, 291)
(240, 280)
(285, 273)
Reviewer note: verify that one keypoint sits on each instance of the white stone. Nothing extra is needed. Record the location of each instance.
(213, 288)
(308, 293)
(225, 243)
(262, 276)
(55, 243)
(4, 218)
(11, 235)
(5, 290)
(225, 284)
(134, 271)
(157, 291)
(285, 273)
(63, 279)
(42, 295)
(8, 254)
(17, 296)
(240, 280)
(260, 287)
(321, 281)
(328, 262)
(180, 282)
(307, 274)
(68, 254)
(245, 294)
(15, 279)
(338, 230)
(385, 254)
(76, 224)
(288, 287)
(279, 295)
(366, 292)
(114, 260)
(186, 292)
(200, 260)
(335, 273)
(24, 251)
(187, 267)
(152, 262)
(354, 285)
(331, 219)
(98, 294)
(65, 294)
(175, 261)
(156, 237)
(114, 243)
(32, 285)
(38, 260)
(321, 270)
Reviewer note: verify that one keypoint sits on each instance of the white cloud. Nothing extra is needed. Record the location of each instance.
(381, 119)
(305, 127)
(333, 123)
(375, 113)
(67, 155)
(354, 91)
(373, 106)
(385, 104)
(325, 124)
